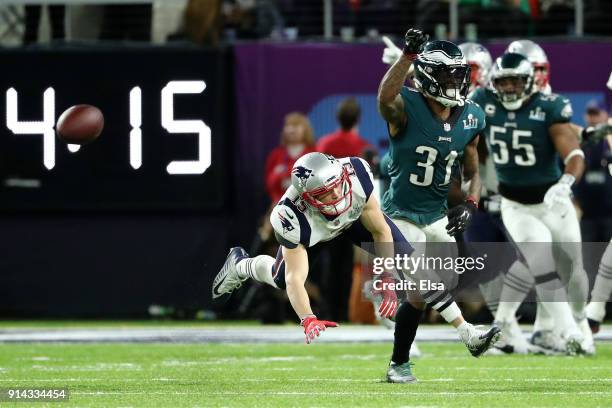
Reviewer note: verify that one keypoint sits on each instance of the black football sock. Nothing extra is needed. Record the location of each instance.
(407, 321)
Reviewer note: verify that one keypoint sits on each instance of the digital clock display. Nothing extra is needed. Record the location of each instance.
(164, 138)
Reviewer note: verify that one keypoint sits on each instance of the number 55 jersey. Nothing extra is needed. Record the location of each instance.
(524, 155)
(423, 156)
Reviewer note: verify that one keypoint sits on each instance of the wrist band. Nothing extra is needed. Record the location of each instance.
(410, 55)
(575, 152)
(472, 200)
(302, 318)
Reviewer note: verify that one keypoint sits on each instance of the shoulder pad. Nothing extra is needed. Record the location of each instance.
(286, 225)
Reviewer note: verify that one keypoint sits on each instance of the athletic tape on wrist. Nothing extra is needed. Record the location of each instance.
(575, 152)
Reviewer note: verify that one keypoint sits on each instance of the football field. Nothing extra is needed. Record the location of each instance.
(264, 374)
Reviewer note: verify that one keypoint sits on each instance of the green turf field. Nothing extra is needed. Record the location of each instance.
(333, 375)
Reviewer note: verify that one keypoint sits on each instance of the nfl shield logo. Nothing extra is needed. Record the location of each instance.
(511, 116)
(447, 127)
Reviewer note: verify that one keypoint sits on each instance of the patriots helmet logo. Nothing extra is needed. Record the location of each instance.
(302, 173)
(285, 223)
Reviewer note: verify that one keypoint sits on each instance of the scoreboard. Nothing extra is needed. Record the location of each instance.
(164, 141)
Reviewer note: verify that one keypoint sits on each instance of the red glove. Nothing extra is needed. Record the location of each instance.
(313, 327)
(389, 303)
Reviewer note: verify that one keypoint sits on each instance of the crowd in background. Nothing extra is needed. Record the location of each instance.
(213, 21)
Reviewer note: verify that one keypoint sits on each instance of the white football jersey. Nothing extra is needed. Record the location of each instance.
(295, 222)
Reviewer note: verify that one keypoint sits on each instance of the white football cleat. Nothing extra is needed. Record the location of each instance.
(596, 312)
(588, 343)
(227, 280)
(548, 340)
(513, 340)
(476, 339)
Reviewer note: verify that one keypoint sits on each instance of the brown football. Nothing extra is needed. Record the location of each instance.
(80, 124)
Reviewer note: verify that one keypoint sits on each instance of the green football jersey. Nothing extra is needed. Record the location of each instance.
(422, 157)
(519, 141)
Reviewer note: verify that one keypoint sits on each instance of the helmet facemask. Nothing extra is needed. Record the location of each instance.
(512, 80)
(332, 206)
(447, 84)
(513, 90)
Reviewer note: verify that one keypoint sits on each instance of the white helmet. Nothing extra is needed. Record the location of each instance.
(480, 61)
(536, 55)
(316, 174)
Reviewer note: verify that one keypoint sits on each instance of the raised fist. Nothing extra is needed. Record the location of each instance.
(415, 41)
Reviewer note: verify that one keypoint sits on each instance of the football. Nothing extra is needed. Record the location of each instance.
(80, 124)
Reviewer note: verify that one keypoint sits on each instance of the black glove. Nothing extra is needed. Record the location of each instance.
(460, 216)
(594, 134)
(415, 42)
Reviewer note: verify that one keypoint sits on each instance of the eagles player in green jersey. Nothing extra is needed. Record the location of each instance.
(527, 131)
(432, 130)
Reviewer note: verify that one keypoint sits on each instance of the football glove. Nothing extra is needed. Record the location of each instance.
(313, 327)
(594, 134)
(460, 216)
(388, 297)
(558, 196)
(415, 41)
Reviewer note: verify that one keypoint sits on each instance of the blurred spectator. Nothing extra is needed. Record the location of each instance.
(345, 141)
(203, 21)
(130, 22)
(595, 113)
(594, 192)
(252, 18)
(597, 17)
(493, 18)
(32, 21)
(296, 140)
(557, 17)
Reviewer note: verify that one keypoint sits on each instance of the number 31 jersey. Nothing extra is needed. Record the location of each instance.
(519, 141)
(422, 157)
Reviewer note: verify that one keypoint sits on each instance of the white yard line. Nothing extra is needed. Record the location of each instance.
(345, 393)
(341, 380)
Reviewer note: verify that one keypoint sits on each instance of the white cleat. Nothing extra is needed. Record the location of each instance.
(588, 343)
(573, 345)
(550, 341)
(415, 352)
(477, 340)
(227, 280)
(513, 340)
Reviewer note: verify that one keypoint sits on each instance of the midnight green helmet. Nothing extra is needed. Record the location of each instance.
(517, 67)
(441, 72)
